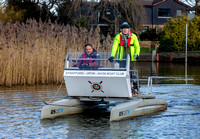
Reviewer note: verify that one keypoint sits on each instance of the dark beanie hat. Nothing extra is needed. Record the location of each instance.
(89, 45)
(125, 25)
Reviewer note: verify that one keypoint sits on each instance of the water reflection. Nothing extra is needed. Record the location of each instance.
(173, 73)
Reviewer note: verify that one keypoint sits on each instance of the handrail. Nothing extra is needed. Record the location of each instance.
(149, 83)
(94, 59)
(67, 62)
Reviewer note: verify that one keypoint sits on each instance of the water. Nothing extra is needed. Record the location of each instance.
(20, 110)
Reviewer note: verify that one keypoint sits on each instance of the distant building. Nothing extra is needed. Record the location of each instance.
(160, 11)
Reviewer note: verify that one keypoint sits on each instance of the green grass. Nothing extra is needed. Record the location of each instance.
(193, 52)
(146, 50)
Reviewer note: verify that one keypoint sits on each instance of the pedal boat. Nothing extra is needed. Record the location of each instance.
(108, 86)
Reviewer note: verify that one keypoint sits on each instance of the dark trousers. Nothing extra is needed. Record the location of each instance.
(123, 64)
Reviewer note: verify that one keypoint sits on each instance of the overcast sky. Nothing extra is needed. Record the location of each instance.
(191, 2)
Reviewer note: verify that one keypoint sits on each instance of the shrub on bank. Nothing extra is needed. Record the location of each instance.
(174, 35)
(150, 35)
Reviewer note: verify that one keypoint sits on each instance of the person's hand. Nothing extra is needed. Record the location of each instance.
(111, 59)
(84, 64)
(73, 63)
(136, 57)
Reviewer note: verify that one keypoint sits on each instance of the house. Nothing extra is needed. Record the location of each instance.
(160, 11)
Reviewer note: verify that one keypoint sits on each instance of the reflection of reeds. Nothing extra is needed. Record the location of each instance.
(34, 53)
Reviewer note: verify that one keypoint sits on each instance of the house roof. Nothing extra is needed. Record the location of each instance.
(147, 2)
(153, 3)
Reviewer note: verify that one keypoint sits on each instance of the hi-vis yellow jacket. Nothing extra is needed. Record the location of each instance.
(134, 47)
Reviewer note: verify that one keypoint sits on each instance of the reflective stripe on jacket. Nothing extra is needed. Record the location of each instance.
(134, 47)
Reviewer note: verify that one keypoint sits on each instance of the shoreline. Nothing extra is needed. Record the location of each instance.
(169, 57)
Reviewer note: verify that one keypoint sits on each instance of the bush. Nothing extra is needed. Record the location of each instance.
(174, 35)
(9, 14)
(149, 35)
(166, 45)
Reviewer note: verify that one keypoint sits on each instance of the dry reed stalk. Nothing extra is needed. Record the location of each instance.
(34, 53)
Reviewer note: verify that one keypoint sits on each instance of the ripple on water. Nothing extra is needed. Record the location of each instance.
(20, 117)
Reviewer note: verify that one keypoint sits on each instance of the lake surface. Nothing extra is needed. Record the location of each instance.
(20, 110)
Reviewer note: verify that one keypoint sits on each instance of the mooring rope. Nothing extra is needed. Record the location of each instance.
(56, 92)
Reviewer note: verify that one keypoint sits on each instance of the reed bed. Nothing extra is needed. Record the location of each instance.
(34, 53)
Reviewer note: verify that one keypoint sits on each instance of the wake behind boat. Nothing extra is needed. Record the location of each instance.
(110, 86)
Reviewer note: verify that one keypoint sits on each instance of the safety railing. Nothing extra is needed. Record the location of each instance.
(149, 85)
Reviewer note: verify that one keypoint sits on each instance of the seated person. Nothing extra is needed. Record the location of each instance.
(89, 53)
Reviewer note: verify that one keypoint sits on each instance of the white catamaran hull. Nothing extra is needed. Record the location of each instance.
(136, 108)
(61, 108)
(124, 110)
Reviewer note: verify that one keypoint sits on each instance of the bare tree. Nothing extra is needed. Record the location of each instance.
(195, 4)
(131, 11)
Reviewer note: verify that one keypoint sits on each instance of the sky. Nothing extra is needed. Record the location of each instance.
(191, 2)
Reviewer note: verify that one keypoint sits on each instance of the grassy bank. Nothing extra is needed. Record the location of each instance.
(34, 53)
(146, 50)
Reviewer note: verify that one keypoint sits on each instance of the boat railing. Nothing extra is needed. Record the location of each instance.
(103, 63)
(149, 85)
(137, 80)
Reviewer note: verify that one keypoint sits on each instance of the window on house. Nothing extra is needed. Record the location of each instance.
(164, 12)
(145, 28)
(178, 12)
(108, 13)
(99, 14)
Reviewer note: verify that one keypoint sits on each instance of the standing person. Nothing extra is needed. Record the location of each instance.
(89, 53)
(125, 43)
